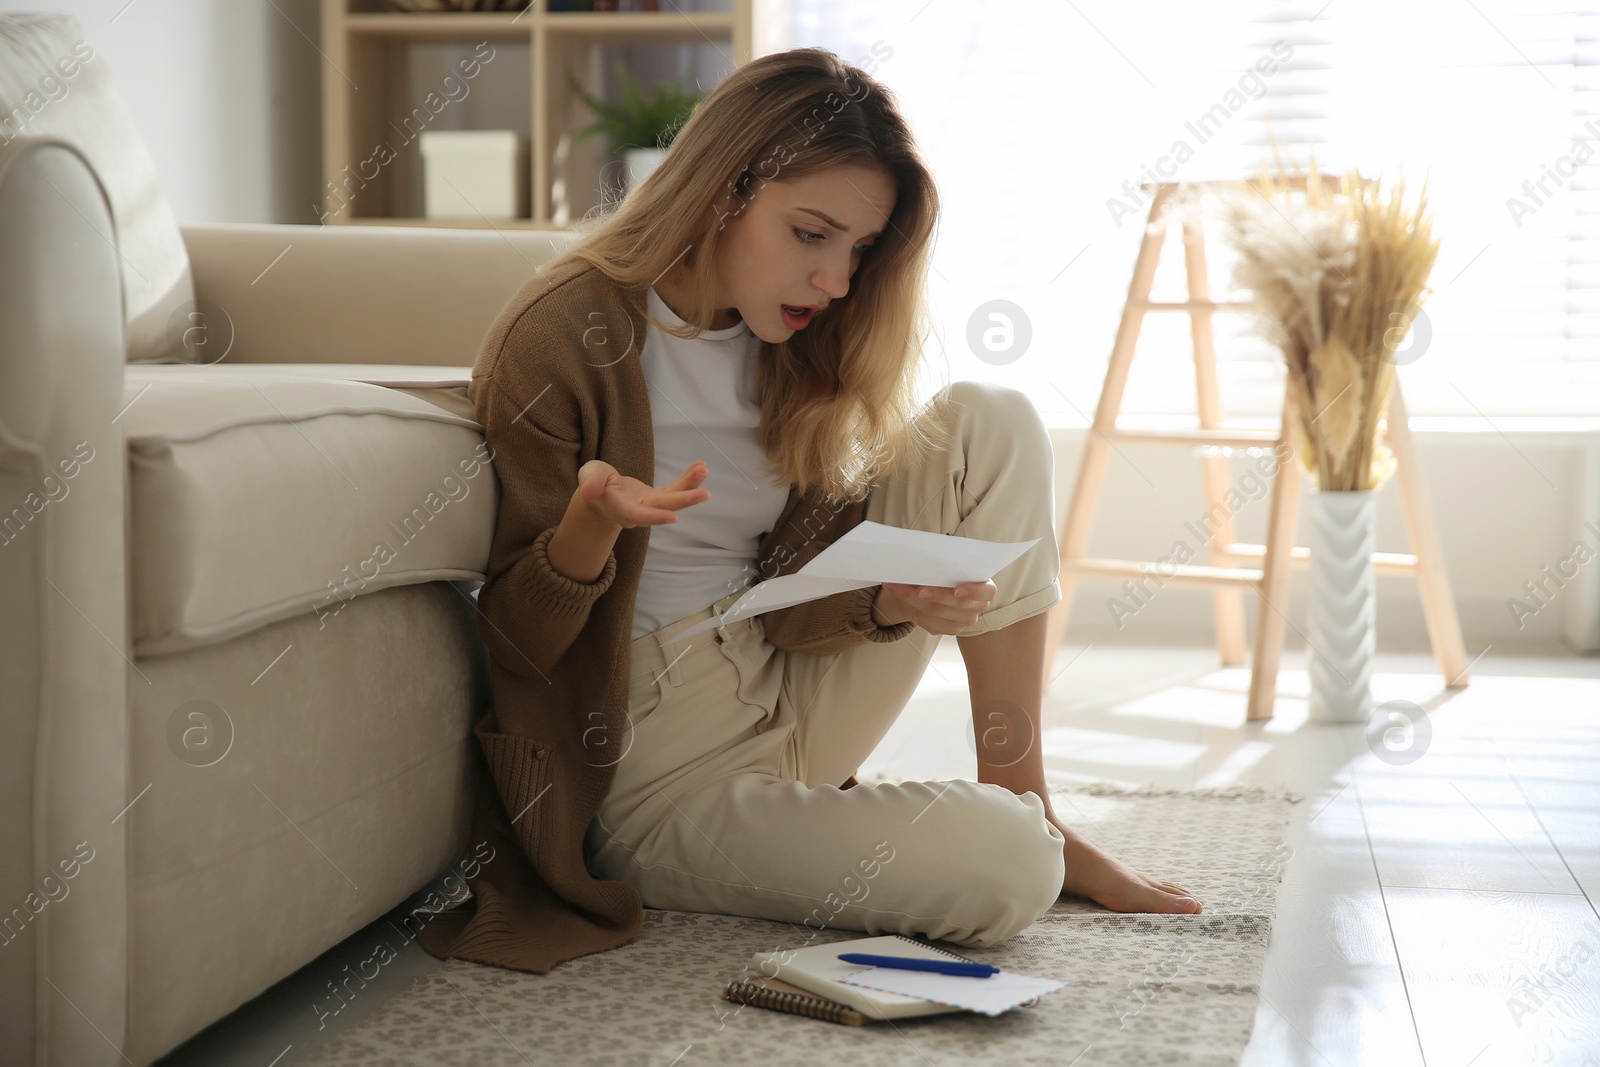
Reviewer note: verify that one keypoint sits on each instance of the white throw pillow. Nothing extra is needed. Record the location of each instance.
(54, 84)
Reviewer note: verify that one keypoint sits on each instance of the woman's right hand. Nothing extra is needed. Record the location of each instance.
(628, 502)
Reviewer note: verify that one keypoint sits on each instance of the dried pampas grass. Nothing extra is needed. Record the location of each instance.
(1337, 276)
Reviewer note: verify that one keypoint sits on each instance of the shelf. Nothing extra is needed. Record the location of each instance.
(505, 25)
(375, 49)
(655, 23)
(453, 224)
(428, 26)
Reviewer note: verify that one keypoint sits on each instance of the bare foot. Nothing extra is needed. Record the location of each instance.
(1113, 884)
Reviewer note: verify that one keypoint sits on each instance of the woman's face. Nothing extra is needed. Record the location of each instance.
(796, 244)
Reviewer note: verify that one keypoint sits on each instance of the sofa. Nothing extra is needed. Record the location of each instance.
(244, 509)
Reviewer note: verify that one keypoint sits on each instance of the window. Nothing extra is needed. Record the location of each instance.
(1040, 119)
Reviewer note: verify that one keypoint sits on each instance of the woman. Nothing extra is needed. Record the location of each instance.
(711, 388)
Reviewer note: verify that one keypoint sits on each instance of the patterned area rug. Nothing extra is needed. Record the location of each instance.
(1146, 989)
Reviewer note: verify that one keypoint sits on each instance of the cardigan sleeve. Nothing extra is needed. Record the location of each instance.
(529, 613)
(830, 624)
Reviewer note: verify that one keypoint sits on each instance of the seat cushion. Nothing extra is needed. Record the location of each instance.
(444, 387)
(258, 493)
(54, 84)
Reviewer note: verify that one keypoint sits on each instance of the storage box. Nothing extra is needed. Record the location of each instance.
(474, 174)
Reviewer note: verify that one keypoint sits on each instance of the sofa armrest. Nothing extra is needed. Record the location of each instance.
(358, 294)
(64, 651)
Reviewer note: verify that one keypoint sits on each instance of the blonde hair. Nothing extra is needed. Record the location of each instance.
(839, 407)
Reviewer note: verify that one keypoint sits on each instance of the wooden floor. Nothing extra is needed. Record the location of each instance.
(1438, 903)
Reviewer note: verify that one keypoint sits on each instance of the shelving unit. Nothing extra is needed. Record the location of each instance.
(364, 109)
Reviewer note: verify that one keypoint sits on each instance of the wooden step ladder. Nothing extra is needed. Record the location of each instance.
(1234, 567)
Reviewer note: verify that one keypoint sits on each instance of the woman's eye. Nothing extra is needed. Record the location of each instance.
(807, 237)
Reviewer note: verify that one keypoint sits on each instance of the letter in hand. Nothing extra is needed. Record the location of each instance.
(628, 502)
(937, 609)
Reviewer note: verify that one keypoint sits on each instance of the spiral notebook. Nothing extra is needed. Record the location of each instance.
(814, 981)
(774, 994)
(804, 982)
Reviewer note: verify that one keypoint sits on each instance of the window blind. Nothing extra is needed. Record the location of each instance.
(1041, 119)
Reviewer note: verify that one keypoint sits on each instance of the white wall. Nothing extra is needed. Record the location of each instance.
(1499, 524)
(226, 97)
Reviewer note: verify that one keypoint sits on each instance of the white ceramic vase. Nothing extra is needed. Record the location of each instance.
(638, 163)
(1342, 634)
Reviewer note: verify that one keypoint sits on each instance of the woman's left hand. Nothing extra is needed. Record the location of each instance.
(937, 609)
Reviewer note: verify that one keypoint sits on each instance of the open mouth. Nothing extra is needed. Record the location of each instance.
(797, 318)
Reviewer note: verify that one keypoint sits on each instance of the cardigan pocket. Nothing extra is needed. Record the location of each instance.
(520, 767)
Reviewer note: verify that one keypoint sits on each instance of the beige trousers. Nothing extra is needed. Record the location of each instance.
(727, 796)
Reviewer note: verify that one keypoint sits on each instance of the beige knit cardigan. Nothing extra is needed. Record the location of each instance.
(557, 383)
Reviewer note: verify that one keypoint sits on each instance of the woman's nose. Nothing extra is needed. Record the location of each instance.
(834, 279)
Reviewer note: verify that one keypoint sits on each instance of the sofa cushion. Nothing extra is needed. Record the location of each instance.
(54, 84)
(257, 494)
(441, 386)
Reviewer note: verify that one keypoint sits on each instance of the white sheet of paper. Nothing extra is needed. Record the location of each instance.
(989, 996)
(871, 553)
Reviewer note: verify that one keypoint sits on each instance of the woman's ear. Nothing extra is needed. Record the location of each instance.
(736, 198)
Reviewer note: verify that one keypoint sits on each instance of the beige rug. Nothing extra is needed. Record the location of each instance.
(1145, 989)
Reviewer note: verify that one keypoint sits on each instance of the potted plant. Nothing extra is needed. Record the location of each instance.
(640, 127)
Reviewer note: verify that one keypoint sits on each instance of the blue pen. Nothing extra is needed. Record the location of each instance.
(908, 963)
